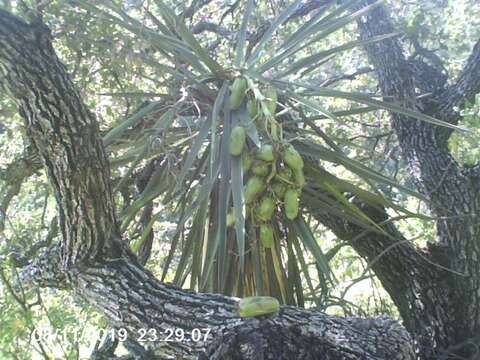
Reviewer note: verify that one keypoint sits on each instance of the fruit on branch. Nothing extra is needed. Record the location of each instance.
(284, 175)
(255, 185)
(279, 190)
(252, 108)
(265, 153)
(266, 208)
(291, 204)
(292, 158)
(270, 102)
(266, 235)
(257, 306)
(260, 168)
(239, 89)
(237, 140)
(299, 178)
(273, 172)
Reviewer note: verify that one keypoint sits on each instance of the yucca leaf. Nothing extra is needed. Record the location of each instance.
(155, 186)
(311, 149)
(313, 60)
(257, 266)
(354, 209)
(367, 100)
(319, 175)
(217, 107)
(249, 125)
(186, 210)
(312, 25)
(295, 281)
(322, 30)
(198, 257)
(277, 22)
(141, 156)
(300, 253)
(312, 104)
(278, 271)
(194, 151)
(176, 22)
(194, 235)
(118, 130)
(304, 233)
(217, 245)
(164, 41)
(242, 34)
(318, 202)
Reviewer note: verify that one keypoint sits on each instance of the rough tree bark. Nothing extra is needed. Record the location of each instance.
(92, 260)
(436, 290)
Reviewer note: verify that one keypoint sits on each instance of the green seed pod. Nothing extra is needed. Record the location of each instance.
(247, 162)
(255, 185)
(299, 178)
(279, 189)
(291, 203)
(260, 168)
(284, 174)
(271, 99)
(252, 108)
(265, 153)
(292, 158)
(266, 235)
(266, 208)
(230, 219)
(237, 140)
(239, 88)
(257, 306)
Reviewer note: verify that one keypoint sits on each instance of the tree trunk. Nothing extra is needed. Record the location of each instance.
(437, 289)
(92, 260)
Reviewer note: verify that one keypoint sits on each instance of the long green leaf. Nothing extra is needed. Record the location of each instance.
(313, 25)
(305, 234)
(242, 34)
(195, 150)
(118, 130)
(177, 23)
(317, 151)
(279, 20)
(313, 60)
(322, 32)
(365, 99)
(194, 235)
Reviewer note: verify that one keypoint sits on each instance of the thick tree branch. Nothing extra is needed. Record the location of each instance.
(13, 177)
(412, 278)
(464, 89)
(212, 27)
(133, 299)
(453, 197)
(45, 270)
(64, 133)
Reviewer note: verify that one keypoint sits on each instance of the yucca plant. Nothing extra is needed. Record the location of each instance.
(236, 146)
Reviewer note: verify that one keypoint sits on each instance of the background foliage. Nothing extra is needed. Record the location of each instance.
(122, 72)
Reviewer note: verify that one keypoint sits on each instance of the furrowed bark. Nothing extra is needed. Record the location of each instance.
(417, 281)
(64, 133)
(132, 299)
(13, 177)
(452, 193)
(102, 271)
(464, 89)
